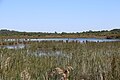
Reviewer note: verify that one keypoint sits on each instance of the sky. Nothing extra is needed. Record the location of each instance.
(59, 15)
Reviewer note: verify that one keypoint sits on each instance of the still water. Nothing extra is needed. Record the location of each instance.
(53, 53)
(20, 46)
(69, 39)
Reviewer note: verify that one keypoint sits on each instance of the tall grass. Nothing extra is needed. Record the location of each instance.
(90, 61)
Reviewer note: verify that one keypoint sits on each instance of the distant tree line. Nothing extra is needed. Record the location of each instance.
(114, 33)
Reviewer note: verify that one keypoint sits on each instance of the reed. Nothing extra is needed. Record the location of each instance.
(90, 61)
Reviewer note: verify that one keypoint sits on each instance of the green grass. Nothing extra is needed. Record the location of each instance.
(91, 61)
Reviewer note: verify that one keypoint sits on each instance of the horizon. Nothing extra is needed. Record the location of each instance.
(59, 16)
(58, 32)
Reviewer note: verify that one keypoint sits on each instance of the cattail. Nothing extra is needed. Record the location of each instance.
(25, 75)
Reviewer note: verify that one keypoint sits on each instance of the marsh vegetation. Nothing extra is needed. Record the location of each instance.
(90, 61)
(111, 34)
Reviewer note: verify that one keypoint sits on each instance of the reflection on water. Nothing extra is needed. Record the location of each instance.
(64, 39)
(18, 46)
(39, 53)
(50, 53)
(76, 39)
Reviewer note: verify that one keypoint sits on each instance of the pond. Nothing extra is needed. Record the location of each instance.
(69, 39)
(50, 53)
(20, 46)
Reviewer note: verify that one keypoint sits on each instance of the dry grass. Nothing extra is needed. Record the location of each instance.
(59, 73)
(90, 61)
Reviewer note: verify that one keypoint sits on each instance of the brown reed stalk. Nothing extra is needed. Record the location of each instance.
(25, 75)
(7, 62)
(60, 73)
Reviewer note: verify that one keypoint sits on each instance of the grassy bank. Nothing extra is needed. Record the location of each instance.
(111, 34)
(90, 61)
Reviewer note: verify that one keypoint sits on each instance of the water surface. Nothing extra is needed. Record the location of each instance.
(20, 46)
(69, 39)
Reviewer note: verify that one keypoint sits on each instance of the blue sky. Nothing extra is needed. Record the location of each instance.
(59, 15)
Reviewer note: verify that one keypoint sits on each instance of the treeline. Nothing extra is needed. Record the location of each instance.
(114, 33)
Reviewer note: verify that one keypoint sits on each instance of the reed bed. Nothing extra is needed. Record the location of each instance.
(90, 61)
